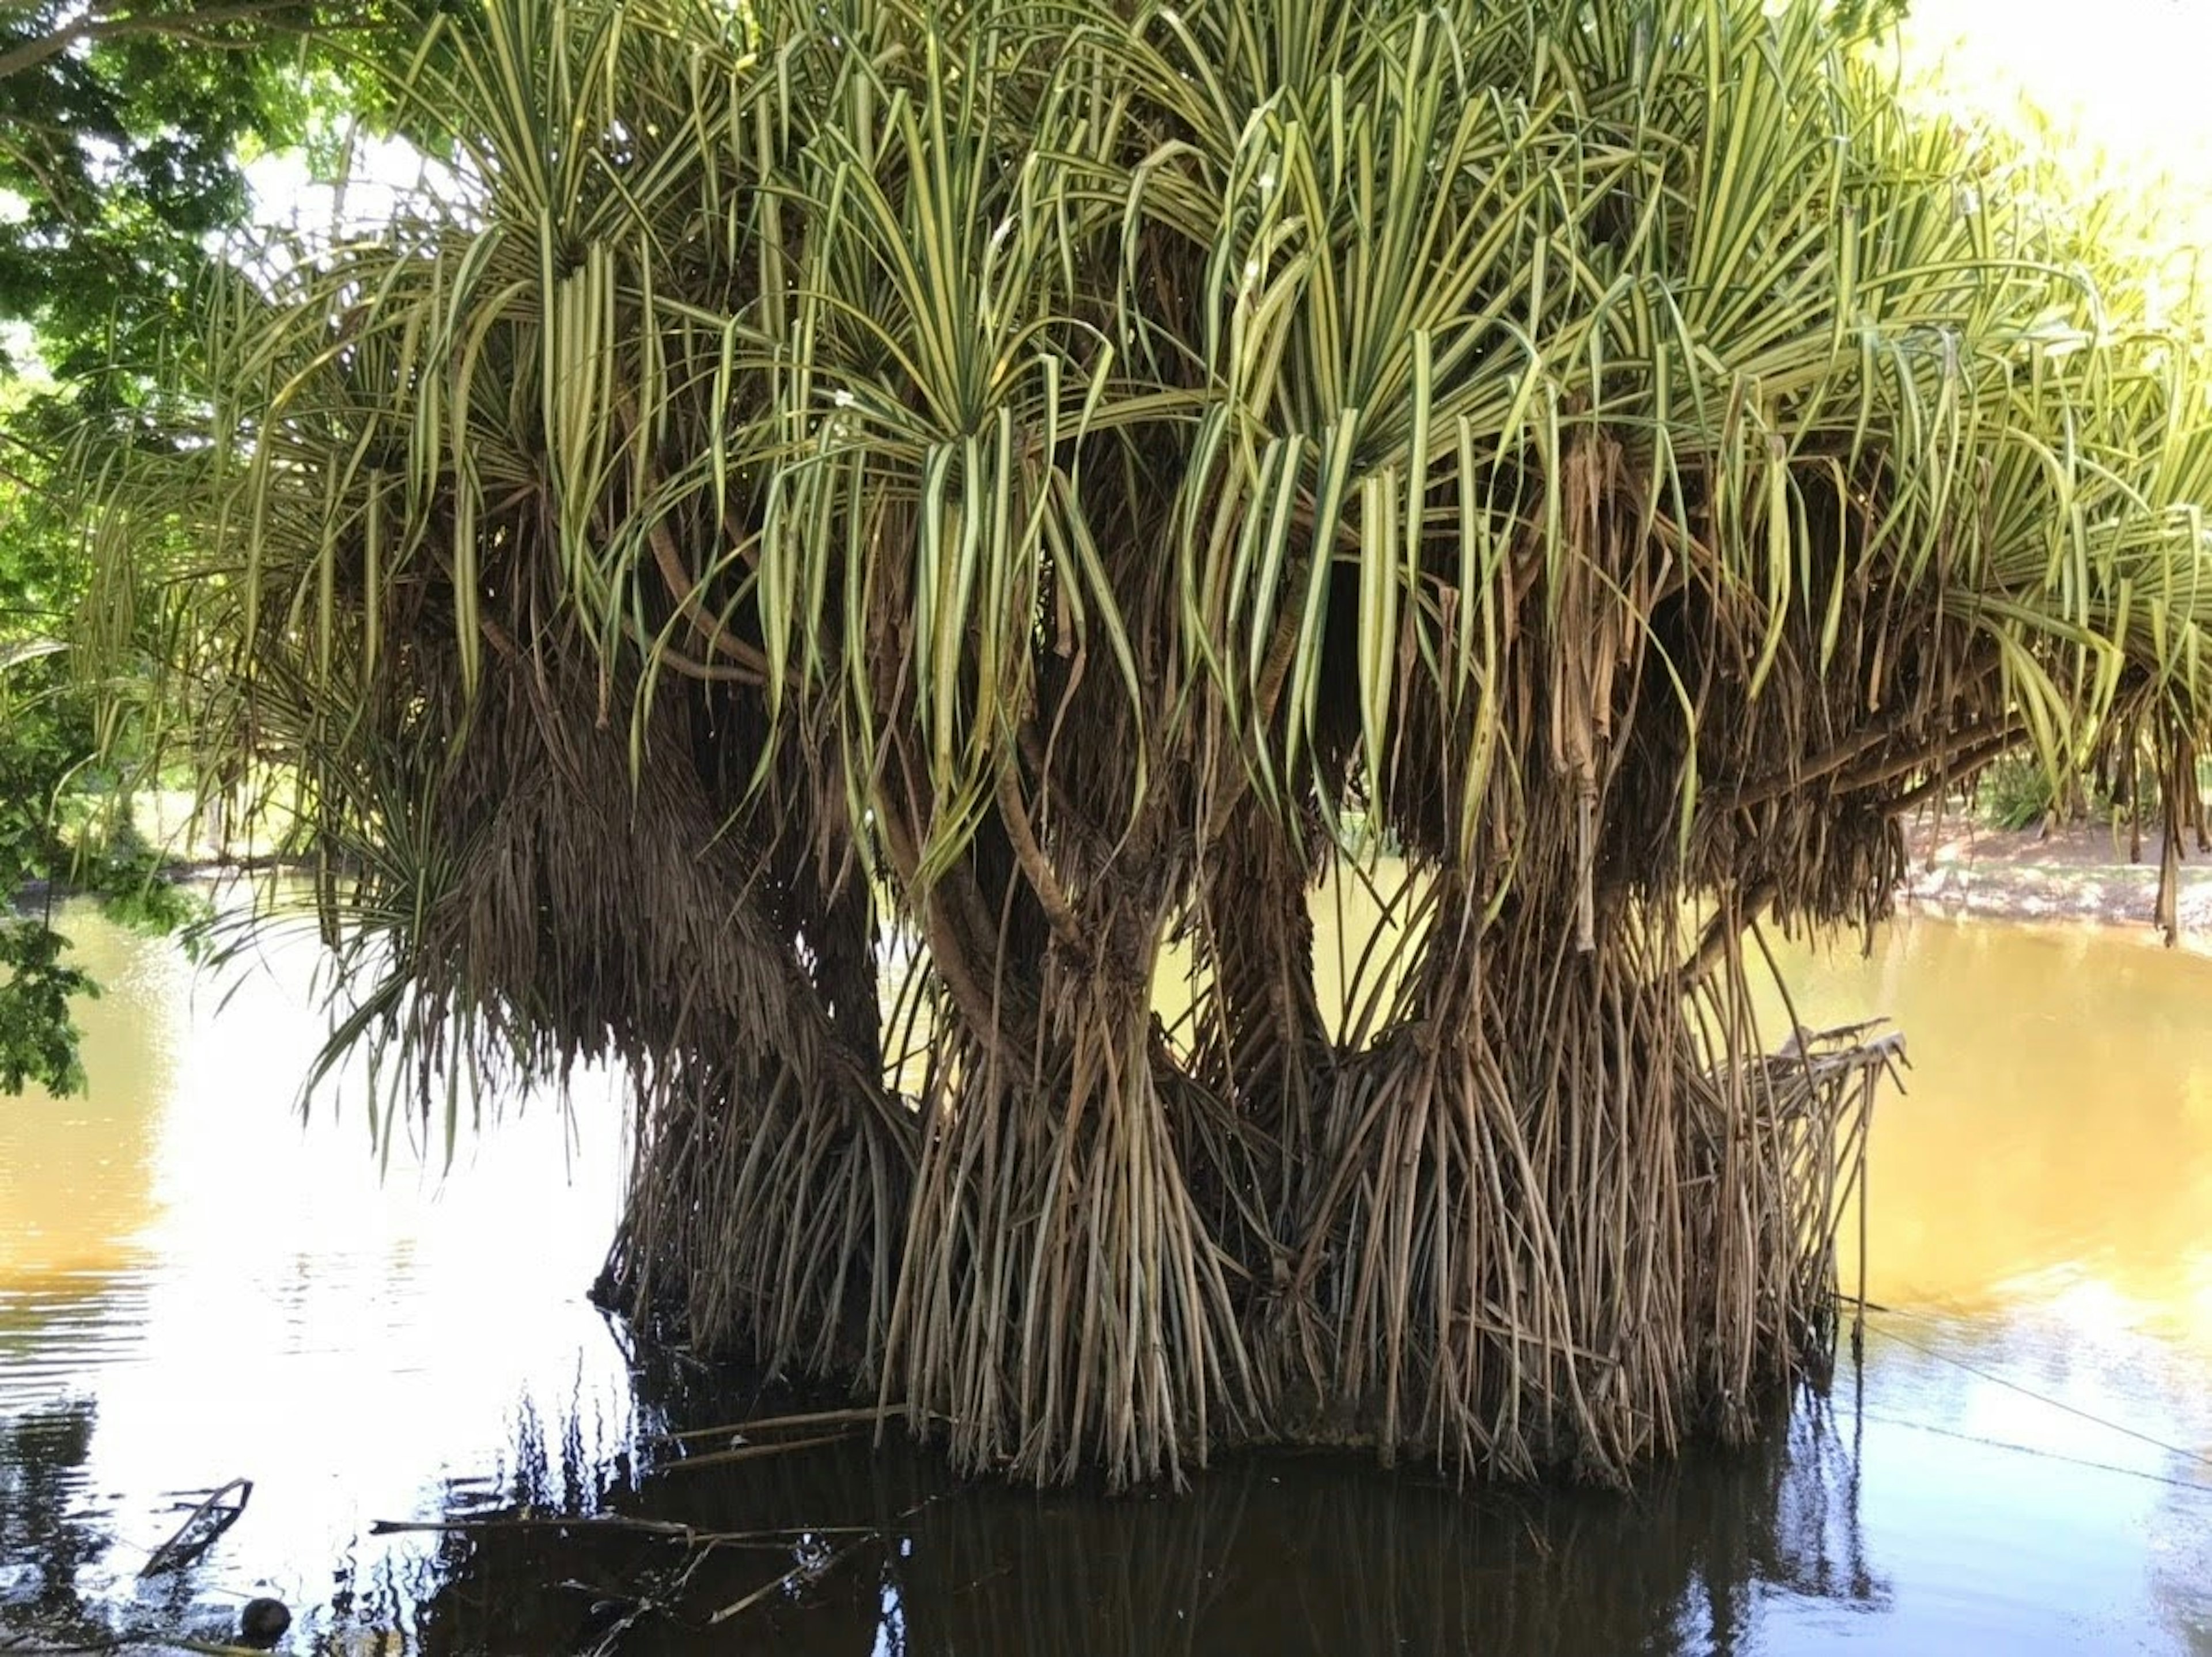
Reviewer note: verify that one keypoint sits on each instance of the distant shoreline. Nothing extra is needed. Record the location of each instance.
(2082, 872)
(1958, 868)
(177, 871)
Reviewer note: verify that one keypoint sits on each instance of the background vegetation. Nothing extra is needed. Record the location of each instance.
(125, 130)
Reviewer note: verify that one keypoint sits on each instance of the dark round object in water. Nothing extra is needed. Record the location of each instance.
(263, 1622)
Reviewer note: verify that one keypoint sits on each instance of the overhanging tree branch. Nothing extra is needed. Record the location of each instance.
(92, 26)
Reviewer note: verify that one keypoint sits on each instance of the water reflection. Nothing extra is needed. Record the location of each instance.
(226, 1293)
(75, 1175)
(192, 1287)
(1277, 1554)
(46, 1539)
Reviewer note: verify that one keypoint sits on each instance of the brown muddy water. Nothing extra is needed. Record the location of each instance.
(195, 1287)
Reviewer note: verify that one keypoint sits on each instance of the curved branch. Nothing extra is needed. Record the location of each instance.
(685, 591)
(1958, 764)
(1952, 755)
(1035, 865)
(88, 29)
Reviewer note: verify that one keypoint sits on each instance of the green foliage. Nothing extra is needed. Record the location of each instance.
(1859, 18)
(2016, 792)
(119, 133)
(44, 740)
(61, 818)
(45, 735)
(123, 127)
(38, 1036)
(46, 743)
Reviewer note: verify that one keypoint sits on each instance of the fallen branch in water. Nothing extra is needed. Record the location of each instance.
(662, 1529)
(751, 1451)
(805, 1571)
(675, 1530)
(855, 1416)
(643, 1605)
(176, 1553)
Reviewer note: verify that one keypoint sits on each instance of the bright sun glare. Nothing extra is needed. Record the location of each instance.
(2127, 74)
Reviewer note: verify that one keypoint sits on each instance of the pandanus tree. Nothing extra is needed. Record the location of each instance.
(861, 558)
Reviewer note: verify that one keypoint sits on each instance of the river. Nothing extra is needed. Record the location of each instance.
(196, 1286)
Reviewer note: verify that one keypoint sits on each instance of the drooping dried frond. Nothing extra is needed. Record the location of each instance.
(1005, 485)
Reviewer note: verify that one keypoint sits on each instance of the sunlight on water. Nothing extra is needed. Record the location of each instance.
(2056, 1138)
(226, 1292)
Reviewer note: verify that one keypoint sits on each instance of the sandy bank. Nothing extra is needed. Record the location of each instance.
(2082, 872)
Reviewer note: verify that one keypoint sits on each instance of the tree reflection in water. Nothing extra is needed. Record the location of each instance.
(47, 1541)
(1271, 1553)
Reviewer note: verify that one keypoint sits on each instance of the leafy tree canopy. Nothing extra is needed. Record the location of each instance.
(121, 133)
(124, 129)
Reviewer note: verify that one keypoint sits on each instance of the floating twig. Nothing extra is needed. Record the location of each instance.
(751, 1452)
(855, 1416)
(645, 1604)
(667, 1530)
(674, 1530)
(806, 1570)
(176, 1553)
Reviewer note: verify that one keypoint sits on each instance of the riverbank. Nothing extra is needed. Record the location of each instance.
(2080, 872)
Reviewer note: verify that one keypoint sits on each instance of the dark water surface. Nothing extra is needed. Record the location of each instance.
(194, 1288)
